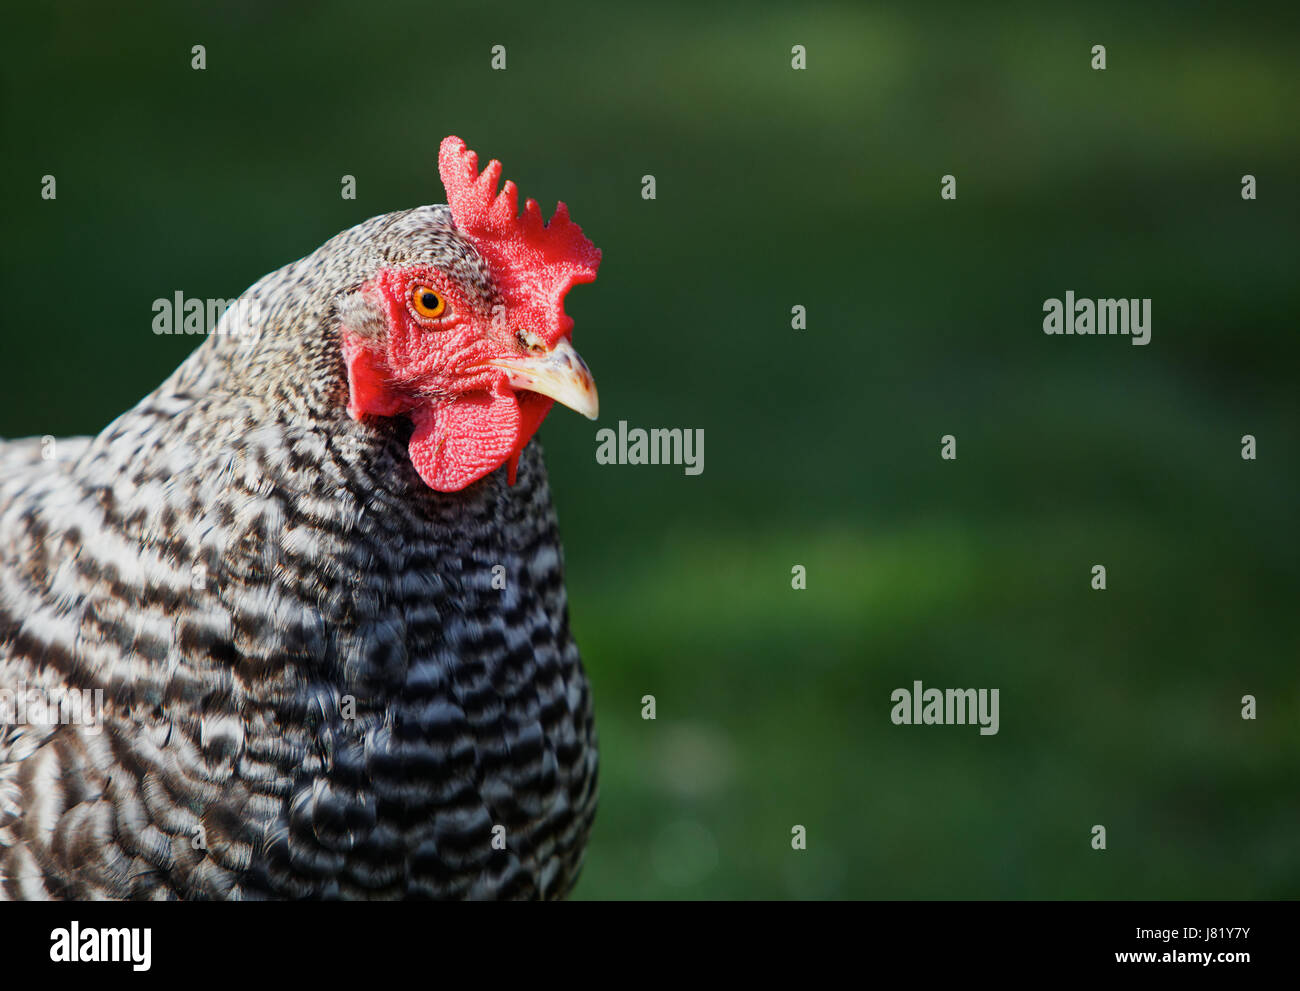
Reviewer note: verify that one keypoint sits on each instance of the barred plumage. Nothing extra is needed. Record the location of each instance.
(312, 685)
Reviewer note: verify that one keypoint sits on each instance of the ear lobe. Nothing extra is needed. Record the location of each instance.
(368, 389)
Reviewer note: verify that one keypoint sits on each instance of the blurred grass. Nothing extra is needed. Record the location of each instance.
(774, 188)
(773, 710)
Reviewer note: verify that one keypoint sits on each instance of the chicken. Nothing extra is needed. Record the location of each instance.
(297, 622)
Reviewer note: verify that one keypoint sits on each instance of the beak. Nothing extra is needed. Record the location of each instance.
(560, 374)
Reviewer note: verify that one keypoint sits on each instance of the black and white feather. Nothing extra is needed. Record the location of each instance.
(311, 687)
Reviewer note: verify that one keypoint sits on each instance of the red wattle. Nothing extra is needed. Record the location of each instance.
(458, 441)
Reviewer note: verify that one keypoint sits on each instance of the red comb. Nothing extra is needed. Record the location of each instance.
(535, 264)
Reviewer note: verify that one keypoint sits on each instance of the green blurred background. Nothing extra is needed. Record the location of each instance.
(777, 188)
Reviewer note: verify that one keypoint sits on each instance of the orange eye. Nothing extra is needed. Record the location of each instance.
(428, 302)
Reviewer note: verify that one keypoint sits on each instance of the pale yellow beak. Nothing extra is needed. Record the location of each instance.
(559, 373)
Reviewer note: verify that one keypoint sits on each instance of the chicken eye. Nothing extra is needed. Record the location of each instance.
(428, 302)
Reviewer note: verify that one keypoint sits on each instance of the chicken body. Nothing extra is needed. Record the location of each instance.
(320, 677)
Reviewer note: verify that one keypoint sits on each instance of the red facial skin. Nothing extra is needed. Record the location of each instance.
(468, 420)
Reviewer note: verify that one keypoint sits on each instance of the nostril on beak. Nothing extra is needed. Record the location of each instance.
(530, 342)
